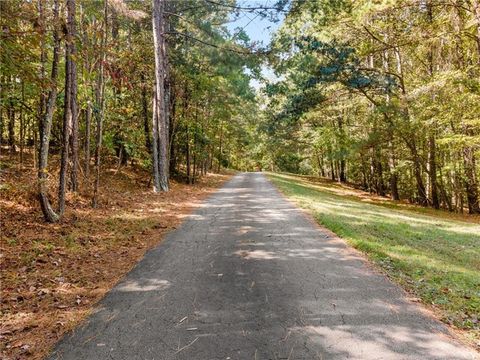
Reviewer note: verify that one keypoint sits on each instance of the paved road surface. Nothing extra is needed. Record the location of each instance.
(248, 276)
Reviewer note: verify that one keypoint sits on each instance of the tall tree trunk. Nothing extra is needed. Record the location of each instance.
(422, 197)
(410, 141)
(159, 100)
(188, 154)
(342, 177)
(46, 117)
(72, 33)
(22, 125)
(2, 122)
(172, 131)
(394, 194)
(69, 114)
(476, 10)
(432, 168)
(11, 123)
(146, 127)
(88, 126)
(332, 170)
(471, 186)
(100, 103)
(156, 174)
(220, 149)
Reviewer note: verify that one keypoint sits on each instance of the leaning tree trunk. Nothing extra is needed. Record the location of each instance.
(159, 99)
(46, 119)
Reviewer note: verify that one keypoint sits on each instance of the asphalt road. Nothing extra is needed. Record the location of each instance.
(249, 276)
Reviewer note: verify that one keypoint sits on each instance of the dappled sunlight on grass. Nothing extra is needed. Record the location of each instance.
(432, 253)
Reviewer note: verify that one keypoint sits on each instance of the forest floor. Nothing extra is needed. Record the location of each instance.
(53, 274)
(433, 254)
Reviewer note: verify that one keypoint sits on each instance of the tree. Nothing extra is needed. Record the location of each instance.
(160, 127)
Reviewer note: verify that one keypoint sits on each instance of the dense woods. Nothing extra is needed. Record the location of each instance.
(160, 85)
(384, 95)
(118, 117)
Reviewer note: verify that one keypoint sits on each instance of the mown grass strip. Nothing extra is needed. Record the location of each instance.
(431, 253)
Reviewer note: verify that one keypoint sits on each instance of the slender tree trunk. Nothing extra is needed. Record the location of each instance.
(2, 122)
(220, 150)
(417, 170)
(146, 127)
(100, 104)
(189, 174)
(410, 141)
(11, 124)
(471, 186)
(72, 33)
(22, 126)
(342, 177)
(394, 194)
(88, 126)
(70, 112)
(156, 174)
(194, 158)
(432, 165)
(172, 132)
(46, 117)
(66, 132)
(476, 10)
(159, 100)
(332, 169)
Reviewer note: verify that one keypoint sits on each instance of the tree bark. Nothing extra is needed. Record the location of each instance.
(46, 119)
(2, 122)
(71, 35)
(159, 99)
(100, 104)
(432, 165)
(471, 186)
(476, 11)
(188, 152)
(22, 125)
(146, 127)
(156, 174)
(11, 123)
(394, 194)
(69, 113)
(88, 121)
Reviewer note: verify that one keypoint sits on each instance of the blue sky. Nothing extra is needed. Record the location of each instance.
(257, 28)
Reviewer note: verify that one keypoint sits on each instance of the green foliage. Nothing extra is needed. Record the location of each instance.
(383, 92)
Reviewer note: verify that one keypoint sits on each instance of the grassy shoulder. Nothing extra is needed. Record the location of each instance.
(53, 274)
(431, 253)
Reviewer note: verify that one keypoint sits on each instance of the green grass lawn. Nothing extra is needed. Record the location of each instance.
(432, 253)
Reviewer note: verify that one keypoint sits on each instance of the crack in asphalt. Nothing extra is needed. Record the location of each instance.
(248, 276)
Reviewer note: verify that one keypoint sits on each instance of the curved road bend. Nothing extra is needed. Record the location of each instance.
(248, 276)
